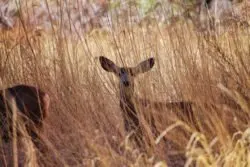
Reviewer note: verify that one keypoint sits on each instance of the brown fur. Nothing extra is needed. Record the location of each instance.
(32, 104)
(128, 101)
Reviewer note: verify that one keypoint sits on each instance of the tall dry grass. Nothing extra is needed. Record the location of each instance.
(85, 126)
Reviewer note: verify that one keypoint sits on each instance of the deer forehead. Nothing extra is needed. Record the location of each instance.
(126, 70)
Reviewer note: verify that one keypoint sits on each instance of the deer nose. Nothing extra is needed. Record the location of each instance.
(125, 80)
(126, 83)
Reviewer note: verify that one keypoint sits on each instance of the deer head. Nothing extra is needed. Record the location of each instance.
(126, 75)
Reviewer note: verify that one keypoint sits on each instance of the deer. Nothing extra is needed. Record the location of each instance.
(128, 100)
(32, 105)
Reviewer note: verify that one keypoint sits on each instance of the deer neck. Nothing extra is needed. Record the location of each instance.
(127, 100)
(126, 94)
(127, 104)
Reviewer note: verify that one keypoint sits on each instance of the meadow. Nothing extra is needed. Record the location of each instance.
(85, 126)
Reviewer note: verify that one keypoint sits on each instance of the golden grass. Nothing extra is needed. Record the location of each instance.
(85, 126)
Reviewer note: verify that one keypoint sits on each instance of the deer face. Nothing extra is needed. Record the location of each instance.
(126, 75)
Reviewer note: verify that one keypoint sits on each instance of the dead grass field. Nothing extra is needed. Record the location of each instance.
(85, 126)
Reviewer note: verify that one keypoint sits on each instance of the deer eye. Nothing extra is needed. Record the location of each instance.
(120, 73)
(132, 73)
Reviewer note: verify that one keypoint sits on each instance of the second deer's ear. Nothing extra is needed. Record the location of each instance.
(108, 65)
(144, 66)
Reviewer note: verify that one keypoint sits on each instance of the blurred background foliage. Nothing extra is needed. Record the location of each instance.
(83, 16)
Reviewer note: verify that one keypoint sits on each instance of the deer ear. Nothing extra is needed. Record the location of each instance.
(108, 65)
(144, 66)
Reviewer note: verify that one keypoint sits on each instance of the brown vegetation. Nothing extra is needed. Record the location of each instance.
(85, 125)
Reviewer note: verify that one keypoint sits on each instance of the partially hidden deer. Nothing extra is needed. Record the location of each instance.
(128, 99)
(32, 105)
